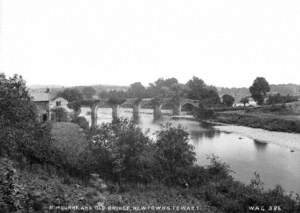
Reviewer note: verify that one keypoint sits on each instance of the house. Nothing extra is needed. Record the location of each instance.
(42, 102)
(251, 103)
(60, 102)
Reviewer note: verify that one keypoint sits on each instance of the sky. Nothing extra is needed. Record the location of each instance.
(117, 42)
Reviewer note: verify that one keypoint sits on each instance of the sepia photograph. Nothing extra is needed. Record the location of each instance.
(149, 106)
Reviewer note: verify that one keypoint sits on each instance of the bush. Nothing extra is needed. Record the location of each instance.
(227, 100)
(7, 186)
(173, 154)
(82, 122)
(120, 150)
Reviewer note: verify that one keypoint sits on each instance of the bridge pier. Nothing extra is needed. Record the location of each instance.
(136, 112)
(115, 112)
(157, 112)
(177, 109)
(94, 116)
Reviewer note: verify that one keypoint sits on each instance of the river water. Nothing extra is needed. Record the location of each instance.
(276, 164)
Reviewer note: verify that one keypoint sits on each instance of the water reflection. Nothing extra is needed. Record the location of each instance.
(198, 135)
(260, 145)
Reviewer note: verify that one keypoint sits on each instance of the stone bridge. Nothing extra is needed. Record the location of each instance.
(136, 105)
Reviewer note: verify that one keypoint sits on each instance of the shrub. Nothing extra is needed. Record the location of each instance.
(120, 150)
(82, 122)
(218, 169)
(173, 153)
(7, 187)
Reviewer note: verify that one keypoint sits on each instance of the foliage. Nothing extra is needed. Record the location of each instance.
(71, 95)
(21, 134)
(59, 114)
(280, 99)
(70, 142)
(76, 106)
(88, 92)
(259, 90)
(162, 87)
(120, 150)
(173, 153)
(228, 100)
(8, 195)
(244, 100)
(198, 90)
(82, 122)
(116, 97)
(137, 90)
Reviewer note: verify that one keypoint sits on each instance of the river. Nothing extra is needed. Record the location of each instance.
(246, 150)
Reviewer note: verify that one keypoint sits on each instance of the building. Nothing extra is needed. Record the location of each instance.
(42, 102)
(60, 102)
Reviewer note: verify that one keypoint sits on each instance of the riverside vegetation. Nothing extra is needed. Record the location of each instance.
(116, 165)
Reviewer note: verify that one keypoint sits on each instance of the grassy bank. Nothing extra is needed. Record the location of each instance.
(166, 181)
(37, 191)
(261, 120)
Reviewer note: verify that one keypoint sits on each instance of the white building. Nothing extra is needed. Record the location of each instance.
(60, 102)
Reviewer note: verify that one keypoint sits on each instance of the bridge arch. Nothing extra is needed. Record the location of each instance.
(136, 104)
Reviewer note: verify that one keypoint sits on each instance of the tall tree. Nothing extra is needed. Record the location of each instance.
(228, 100)
(259, 90)
(162, 87)
(136, 90)
(198, 90)
(71, 95)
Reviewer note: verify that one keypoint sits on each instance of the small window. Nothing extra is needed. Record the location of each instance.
(58, 103)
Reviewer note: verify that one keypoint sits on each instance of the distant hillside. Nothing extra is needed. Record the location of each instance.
(56, 88)
(239, 93)
(101, 88)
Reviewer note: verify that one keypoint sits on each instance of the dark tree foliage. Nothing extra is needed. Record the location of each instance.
(120, 150)
(82, 122)
(173, 153)
(259, 90)
(163, 87)
(71, 95)
(21, 135)
(116, 97)
(228, 100)
(18, 117)
(88, 92)
(244, 100)
(198, 90)
(137, 90)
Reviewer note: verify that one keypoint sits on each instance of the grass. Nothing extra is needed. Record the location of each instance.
(69, 138)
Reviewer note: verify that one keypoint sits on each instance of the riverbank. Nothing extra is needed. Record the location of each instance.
(260, 120)
(284, 139)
